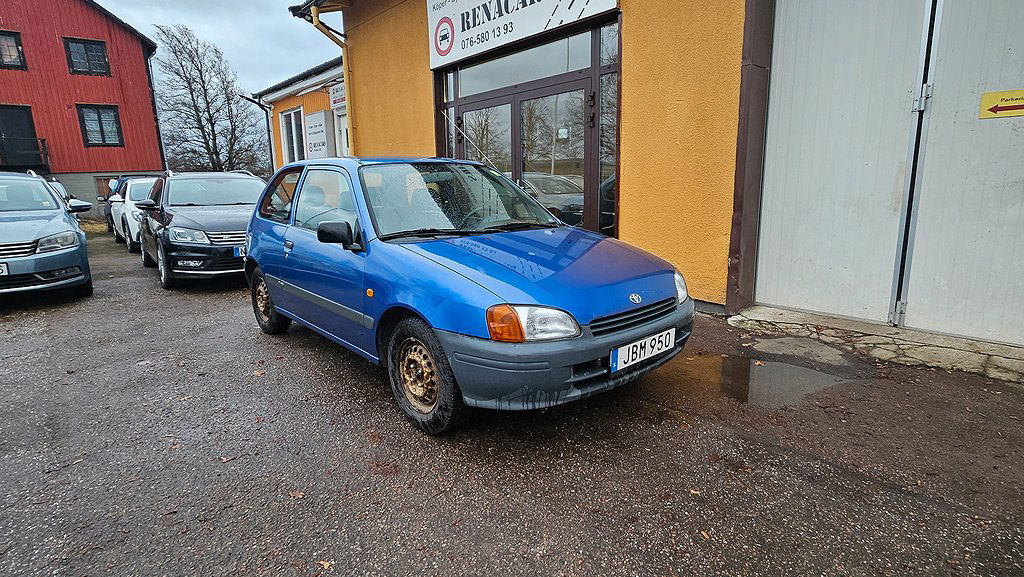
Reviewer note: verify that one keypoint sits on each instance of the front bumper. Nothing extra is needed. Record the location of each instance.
(52, 270)
(516, 377)
(203, 261)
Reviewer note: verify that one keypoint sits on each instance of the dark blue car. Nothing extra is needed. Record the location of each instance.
(460, 283)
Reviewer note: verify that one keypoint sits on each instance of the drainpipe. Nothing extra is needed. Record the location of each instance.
(258, 101)
(341, 40)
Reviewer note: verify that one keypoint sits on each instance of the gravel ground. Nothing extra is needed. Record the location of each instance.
(146, 432)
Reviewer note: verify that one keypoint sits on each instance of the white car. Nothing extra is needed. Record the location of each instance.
(126, 216)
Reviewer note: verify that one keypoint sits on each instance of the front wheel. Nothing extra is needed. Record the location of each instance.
(167, 282)
(131, 244)
(267, 317)
(83, 290)
(147, 261)
(422, 379)
(118, 234)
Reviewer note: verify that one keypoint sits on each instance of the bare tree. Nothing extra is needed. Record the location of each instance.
(207, 125)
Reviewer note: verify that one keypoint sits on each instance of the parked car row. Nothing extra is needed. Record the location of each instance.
(457, 281)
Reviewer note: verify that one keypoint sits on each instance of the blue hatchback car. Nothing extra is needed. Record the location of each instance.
(41, 244)
(460, 283)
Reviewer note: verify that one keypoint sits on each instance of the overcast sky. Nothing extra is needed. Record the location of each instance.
(263, 41)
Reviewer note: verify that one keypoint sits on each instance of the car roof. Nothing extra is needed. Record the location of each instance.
(24, 175)
(239, 175)
(355, 163)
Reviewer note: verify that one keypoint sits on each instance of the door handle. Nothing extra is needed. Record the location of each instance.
(288, 245)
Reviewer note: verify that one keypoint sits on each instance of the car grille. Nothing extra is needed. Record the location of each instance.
(225, 263)
(16, 249)
(21, 281)
(236, 237)
(633, 318)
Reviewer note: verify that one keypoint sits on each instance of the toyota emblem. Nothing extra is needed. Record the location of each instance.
(635, 298)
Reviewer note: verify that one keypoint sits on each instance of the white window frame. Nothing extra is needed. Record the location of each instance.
(341, 143)
(286, 124)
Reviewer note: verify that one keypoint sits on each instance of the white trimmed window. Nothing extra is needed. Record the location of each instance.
(292, 136)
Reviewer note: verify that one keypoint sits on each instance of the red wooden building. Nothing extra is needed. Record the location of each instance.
(76, 94)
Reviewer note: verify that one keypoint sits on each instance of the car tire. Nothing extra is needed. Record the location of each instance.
(82, 290)
(147, 261)
(422, 379)
(118, 238)
(268, 318)
(110, 223)
(167, 282)
(133, 246)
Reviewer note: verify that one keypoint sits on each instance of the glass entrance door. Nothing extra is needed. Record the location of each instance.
(554, 137)
(542, 139)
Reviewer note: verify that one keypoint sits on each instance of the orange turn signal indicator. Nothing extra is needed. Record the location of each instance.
(503, 324)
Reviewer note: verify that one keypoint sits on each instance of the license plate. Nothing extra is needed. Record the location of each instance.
(3, 269)
(631, 354)
(239, 251)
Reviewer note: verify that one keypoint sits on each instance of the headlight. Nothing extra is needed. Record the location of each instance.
(57, 241)
(516, 324)
(137, 215)
(680, 288)
(188, 235)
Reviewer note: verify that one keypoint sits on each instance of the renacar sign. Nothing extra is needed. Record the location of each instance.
(462, 28)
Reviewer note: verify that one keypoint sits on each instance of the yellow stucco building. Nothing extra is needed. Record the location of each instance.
(582, 113)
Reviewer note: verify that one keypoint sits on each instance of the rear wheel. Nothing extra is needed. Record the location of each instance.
(267, 317)
(422, 380)
(167, 282)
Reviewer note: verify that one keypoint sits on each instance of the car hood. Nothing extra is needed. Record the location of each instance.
(28, 225)
(212, 218)
(584, 273)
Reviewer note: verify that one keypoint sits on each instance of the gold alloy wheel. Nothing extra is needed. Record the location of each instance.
(262, 300)
(419, 375)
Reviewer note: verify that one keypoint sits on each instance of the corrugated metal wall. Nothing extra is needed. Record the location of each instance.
(843, 81)
(967, 262)
(52, 91)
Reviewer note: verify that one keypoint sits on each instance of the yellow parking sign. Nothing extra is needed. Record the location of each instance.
(1002, 104)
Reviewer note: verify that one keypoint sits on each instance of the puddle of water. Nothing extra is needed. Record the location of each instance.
(704, 378)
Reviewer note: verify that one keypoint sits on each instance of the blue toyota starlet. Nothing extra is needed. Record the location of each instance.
(460, 283)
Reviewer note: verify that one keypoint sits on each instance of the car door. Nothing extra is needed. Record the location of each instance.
(326, 279)
(267, 230)
(151, 219)
(117, 203)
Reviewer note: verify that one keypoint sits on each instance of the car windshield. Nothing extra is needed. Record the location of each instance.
(18, 194)
(427, 198)
(213, 191)
(138, 188)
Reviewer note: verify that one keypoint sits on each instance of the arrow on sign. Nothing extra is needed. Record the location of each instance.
(997, 109)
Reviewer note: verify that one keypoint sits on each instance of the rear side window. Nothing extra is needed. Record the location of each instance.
(277, 204)
(325, 196)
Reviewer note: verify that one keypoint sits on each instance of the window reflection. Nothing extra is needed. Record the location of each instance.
(608, 140)
(610, 44)
(553, 135)
(488, 136)
(557, 57)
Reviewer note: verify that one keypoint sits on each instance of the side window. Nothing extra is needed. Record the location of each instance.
(277, 204)
(158, 191)
(325, 196)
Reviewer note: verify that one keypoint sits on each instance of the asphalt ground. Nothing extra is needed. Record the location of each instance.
(147, 433)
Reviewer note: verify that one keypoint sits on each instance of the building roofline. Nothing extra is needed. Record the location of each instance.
(318, 69)
(146, 40)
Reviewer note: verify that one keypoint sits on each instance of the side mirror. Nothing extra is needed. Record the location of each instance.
(75, 205)
(147, 205)
(112, 184)
(115, 198)
(101, 199)
(337, 232)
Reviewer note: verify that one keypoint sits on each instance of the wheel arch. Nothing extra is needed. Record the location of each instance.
(386, 325)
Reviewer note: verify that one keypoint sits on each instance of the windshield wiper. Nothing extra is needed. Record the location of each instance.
(427, 232)
(510, 226)
(233, 203)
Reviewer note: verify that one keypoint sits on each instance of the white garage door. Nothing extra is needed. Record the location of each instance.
(966, 265)
(844, 77)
